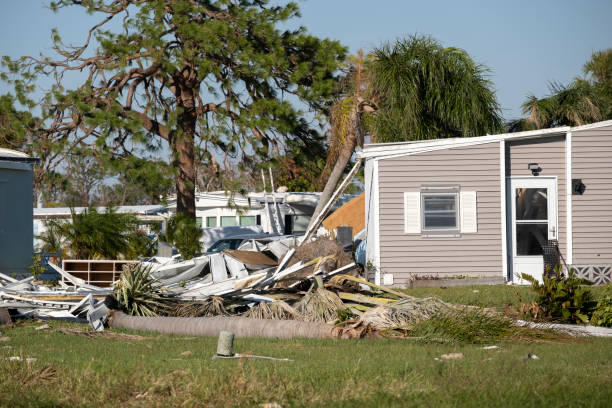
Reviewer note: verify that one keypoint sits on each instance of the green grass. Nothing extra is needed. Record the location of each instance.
(341, 373)
(494, 296)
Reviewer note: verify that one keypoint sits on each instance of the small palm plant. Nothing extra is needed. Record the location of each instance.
(139, 294)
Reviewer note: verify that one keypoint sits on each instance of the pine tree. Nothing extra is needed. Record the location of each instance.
(189, 74)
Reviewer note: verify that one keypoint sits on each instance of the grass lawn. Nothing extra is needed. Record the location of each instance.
(161, 370)
(494, 296)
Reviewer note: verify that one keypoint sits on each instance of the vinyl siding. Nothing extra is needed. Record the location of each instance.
(474, 168)
(592, 211)
(549, 153)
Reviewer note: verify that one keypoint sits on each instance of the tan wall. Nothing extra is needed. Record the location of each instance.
(592, 211)
(549, 153)
(351, 214)
(474, 168)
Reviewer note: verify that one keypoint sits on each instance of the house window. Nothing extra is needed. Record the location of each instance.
(228, 221)
(199, 222)
(248, 220)
(211, 222)
(300, 223)
(440, 211)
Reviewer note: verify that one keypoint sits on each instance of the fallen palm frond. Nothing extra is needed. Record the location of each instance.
(273, 310)
(139, 294)
(405, 312)
(320, 305)
(105, 334)
(213, 306)
(475, 326)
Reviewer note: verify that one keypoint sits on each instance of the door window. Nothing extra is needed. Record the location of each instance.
(531, 220)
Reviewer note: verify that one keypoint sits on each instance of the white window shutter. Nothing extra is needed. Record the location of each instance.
(412, 212)
(469, 216)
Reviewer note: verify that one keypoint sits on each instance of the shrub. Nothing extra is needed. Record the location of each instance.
(563, 298)
(603, 314)
(184, 234)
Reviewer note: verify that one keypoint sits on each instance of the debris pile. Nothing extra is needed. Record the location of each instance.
(315, 282)
(35, 299)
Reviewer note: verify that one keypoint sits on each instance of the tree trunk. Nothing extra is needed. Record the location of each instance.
(212, 326)
(336, 174)
(182, 146)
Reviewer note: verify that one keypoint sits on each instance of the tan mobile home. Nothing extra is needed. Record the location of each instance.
(490, 206)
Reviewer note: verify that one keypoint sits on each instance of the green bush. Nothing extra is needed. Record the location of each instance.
(603, 314)
(563, 298)
(36, 267)
(184, 234)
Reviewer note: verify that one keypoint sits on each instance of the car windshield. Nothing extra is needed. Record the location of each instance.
(225, 244)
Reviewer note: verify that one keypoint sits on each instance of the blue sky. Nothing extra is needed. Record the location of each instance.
(526, 44)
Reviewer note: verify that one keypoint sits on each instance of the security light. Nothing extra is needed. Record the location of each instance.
(535, 168)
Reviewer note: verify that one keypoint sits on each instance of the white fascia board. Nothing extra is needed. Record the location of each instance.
(428, 149)
(592, 125)
(396, 150)
(503, 212)
(376, 198)
(568, 199)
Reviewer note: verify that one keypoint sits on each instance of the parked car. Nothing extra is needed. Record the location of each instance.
(251, 242)
(236, 241)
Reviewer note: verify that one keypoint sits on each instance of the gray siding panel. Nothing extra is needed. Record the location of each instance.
(592, 211)
(474, 168)
(549, 153)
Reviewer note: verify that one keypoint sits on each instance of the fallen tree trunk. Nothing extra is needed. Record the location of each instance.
(211, 326)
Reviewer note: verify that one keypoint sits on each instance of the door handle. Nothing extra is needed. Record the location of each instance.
(553, 231)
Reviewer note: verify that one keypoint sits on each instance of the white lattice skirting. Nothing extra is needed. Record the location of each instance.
(598, 274)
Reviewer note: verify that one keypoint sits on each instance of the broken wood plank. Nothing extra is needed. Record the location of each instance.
(285, 260)
(374, 286)
(345, 268)
(368, 300)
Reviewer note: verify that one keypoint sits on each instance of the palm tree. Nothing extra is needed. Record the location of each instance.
(585, 100)
(95, 235)
(412, 90)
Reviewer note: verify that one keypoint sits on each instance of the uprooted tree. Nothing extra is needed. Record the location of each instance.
(193, 75)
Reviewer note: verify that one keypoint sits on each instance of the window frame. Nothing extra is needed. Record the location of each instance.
(241, 217)
(429, 191)
(213, 217)
(227, 217)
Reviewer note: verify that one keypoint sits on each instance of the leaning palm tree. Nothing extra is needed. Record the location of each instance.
(346, 117)
(413, 89)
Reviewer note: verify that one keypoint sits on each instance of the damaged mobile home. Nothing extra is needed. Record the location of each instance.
(493, 206)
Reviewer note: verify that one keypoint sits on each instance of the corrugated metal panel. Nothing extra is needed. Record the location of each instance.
(592, 211)
(474, 168)
(549, 153)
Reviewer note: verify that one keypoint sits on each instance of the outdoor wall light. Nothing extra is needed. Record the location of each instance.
(535, 168)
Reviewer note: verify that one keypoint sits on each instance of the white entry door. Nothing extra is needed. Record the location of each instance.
(533, 203)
